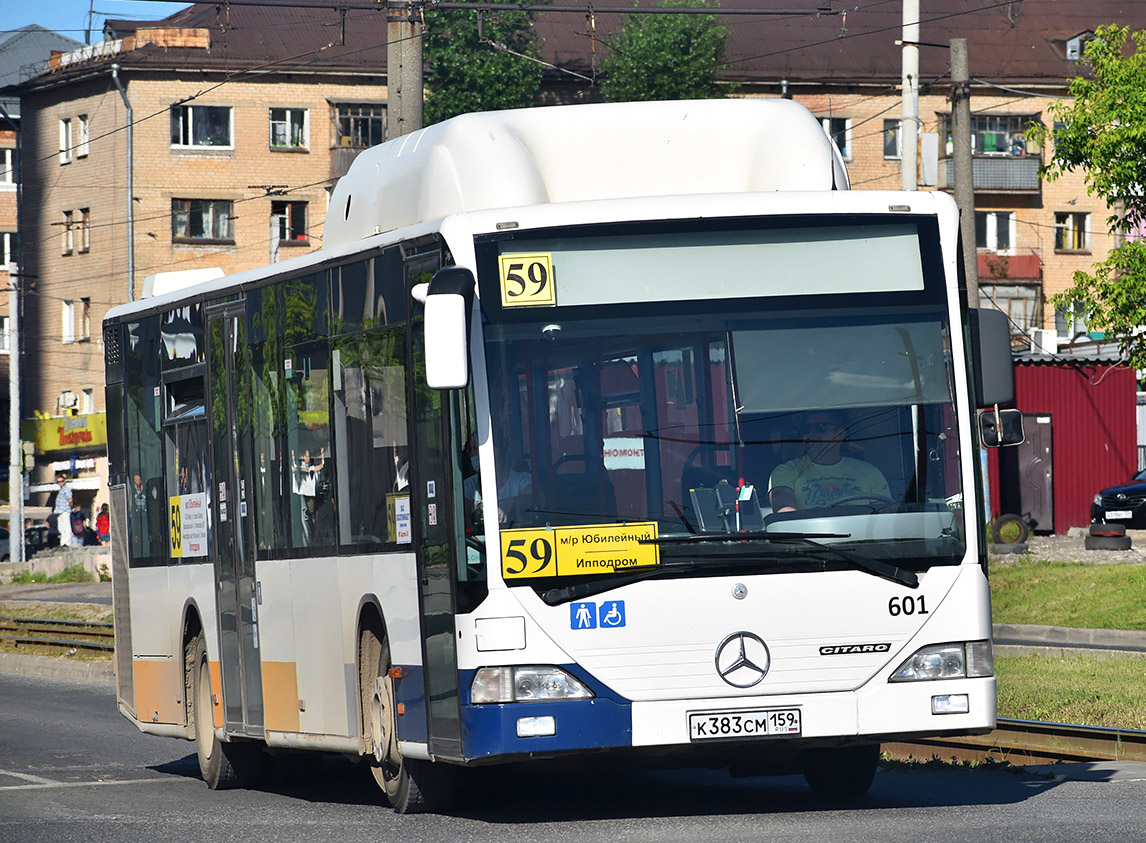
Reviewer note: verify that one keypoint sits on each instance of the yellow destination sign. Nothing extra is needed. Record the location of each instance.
(527, 280)
(576, 551)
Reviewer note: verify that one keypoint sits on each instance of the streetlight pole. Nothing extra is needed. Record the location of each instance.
(909, 127)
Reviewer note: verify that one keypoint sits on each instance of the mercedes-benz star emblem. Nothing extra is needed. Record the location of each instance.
(742, 659)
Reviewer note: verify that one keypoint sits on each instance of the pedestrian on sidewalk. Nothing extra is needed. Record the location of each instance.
(63, 511)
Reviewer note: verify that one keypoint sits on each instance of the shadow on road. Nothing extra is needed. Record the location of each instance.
(551, 792)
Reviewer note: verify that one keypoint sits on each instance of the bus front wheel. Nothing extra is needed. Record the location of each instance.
(411, 785)
(222, 765)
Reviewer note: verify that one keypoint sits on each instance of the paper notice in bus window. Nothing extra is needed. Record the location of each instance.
(398, 528)
(188, 525)
(577, 551)
(527, 280)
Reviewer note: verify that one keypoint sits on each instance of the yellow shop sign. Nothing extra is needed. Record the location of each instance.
(66, 433)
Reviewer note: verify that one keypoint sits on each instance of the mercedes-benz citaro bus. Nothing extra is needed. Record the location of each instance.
(623, 429)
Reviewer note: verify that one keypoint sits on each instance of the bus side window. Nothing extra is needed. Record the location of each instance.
(370, 432)
(143, 415)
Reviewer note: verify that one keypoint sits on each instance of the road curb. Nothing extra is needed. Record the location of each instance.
(1057, 636)
(58, 668)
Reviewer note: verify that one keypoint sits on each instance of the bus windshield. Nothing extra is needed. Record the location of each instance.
(827, 416)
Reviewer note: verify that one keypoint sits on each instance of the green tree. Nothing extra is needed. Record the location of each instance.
(667, 57)
(1101, 132)
(486, 71)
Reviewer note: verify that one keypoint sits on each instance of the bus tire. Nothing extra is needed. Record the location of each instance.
(412, 786)
(843, 773)
(1106, 542)
(223, 765)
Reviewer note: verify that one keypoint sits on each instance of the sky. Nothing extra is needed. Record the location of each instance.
(69, 17)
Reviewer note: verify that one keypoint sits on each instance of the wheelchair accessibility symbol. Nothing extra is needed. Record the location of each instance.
(608, 615)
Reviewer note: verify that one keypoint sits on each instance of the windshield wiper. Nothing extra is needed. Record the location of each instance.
(872, 566)
(577, 591)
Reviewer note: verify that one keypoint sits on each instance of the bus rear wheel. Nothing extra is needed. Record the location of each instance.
(412, 786)
(222, 765)
(843, 773)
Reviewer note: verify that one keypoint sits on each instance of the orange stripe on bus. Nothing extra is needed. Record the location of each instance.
(280, 697)
(158, 690)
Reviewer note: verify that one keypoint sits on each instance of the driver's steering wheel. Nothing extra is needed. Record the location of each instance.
(869, 498)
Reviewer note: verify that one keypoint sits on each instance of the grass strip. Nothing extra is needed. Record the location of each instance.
(1073, 594)
(1087, 690)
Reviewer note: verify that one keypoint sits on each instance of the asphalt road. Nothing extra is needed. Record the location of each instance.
(72, 769)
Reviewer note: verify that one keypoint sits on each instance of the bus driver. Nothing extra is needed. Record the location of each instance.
(823, 476)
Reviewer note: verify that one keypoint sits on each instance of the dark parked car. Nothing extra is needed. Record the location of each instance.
(1122, 504)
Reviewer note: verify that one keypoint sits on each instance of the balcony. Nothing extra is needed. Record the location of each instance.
(1000, 174)
(341, 157)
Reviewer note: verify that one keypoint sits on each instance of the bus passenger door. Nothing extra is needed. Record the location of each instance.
(237, 591)
(432, 472)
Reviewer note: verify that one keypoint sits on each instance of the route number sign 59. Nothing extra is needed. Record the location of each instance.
(527, 280)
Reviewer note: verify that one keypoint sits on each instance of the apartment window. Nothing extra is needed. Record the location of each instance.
(8, 247)
(288, 128)
(68, 321)
(68, 245)
(995, 231)
(85, 229)
(7, 168)
(892, 139)
(1070, 232)
(85, 319)
(201, 220)
(5, 334)
(85, 136)
(66, 140)
(88, 405)
(289, 220)
(999, 135)
(201, 125)
(1019, 301)
(359, 125)
(839, 129)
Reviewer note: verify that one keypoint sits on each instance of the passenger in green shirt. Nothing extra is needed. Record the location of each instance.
(823, 476)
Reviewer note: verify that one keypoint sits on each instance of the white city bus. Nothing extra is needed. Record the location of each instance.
(493, 475)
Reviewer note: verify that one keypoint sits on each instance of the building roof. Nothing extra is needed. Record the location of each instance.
(1024, 41)
(24, 53)
(206, 38)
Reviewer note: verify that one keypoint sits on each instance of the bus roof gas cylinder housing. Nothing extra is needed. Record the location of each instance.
(506, 159)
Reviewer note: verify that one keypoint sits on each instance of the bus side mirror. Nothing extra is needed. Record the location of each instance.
(449, 301)
(992, 369)
(1000, 428)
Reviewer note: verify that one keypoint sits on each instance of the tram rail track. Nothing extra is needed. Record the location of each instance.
(1028, 741)
(57, 634)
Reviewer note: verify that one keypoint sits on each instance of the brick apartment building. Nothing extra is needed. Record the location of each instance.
(846, 67)
(243, 116)
(239, 128)
(24, 52)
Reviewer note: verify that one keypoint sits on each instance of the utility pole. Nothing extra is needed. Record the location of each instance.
(15, 446)
(909, 127)
(964, 175)
(403, 73)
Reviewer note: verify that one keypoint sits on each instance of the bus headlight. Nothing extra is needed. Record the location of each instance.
(947, 661)
(526, 683)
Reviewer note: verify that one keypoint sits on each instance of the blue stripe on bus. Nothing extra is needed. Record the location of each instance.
(491, 730)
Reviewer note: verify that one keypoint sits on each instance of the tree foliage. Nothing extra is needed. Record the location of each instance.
(479, 71)
(1101, 132)
(667, 57)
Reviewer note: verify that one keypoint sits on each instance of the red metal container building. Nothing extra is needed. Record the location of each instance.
(1080, 417)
